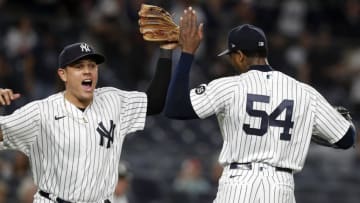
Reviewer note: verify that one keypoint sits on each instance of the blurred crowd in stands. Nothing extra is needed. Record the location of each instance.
(317, 42)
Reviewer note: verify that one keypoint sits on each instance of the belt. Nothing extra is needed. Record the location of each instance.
(59, 200)
(248, 166)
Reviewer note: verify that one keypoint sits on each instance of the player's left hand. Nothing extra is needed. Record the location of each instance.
(191, 33)
(6, 96)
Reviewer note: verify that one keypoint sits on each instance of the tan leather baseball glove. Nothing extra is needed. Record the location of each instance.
(156, 24)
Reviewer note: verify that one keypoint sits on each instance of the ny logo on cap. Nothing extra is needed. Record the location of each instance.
(84, 47)
(261, 44)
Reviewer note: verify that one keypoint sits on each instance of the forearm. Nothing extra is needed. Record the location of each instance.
(156, 92)
(178, 103)
(348, 140)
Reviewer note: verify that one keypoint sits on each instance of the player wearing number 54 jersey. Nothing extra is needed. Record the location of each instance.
(266, 118)
(74, 138)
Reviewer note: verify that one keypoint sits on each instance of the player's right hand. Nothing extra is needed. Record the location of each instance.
(191, 33)
(6, 96)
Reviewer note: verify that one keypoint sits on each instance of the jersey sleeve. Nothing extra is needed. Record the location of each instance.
(330, 124)
(213, 98)
(134, 111)
(21, 128)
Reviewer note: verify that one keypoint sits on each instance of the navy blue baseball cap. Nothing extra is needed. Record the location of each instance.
(77, 51)
(247, 38)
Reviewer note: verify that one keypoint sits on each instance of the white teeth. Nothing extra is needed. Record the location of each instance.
(87, 80)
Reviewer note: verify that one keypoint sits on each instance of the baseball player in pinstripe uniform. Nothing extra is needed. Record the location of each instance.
(266, 118)
(74, 138)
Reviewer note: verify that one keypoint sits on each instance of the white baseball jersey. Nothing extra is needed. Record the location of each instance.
(74, 154)
(268, 117)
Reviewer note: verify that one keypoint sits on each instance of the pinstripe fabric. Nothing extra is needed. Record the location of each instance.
(265, 117)
(227, 98)
(255, 186)
(66, 154)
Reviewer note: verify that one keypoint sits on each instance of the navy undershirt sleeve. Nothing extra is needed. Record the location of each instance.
(348, 140)
(178, 103)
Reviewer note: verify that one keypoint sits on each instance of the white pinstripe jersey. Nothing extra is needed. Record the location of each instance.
(75, 154)
(266, 116)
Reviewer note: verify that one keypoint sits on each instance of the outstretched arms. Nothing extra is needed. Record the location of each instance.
(178, 104)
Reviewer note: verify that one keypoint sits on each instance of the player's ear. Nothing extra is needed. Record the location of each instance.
(239, 61)
(61, 73)
(239, 58)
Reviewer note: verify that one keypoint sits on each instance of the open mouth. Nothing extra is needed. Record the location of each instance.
(87, 84)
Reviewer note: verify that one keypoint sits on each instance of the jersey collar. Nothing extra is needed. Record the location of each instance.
(263, 68)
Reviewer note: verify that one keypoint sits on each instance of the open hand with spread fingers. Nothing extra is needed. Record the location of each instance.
(7, 96)
(191, 33)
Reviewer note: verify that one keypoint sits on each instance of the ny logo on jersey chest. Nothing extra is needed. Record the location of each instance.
(104, 133)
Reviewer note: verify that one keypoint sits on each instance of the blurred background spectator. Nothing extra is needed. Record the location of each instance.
(3, 192)
(315, 41)
(190, 185)
(121, 194)
(26, 190)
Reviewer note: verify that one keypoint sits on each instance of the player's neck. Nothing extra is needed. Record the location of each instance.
(257, 61)
(80, 104)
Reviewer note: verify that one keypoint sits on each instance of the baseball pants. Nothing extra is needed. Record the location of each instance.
(255, 183)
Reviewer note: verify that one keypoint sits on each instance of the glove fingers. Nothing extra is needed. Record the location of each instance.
(147, 10)
(158, 36)
(163, 28)
(155, 21)
(156, 24)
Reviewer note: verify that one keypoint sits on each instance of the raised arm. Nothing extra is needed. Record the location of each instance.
(6, 97)
(157, 89)
(178, 104)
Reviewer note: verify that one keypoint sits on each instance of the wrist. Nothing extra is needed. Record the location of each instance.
(188, 51)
